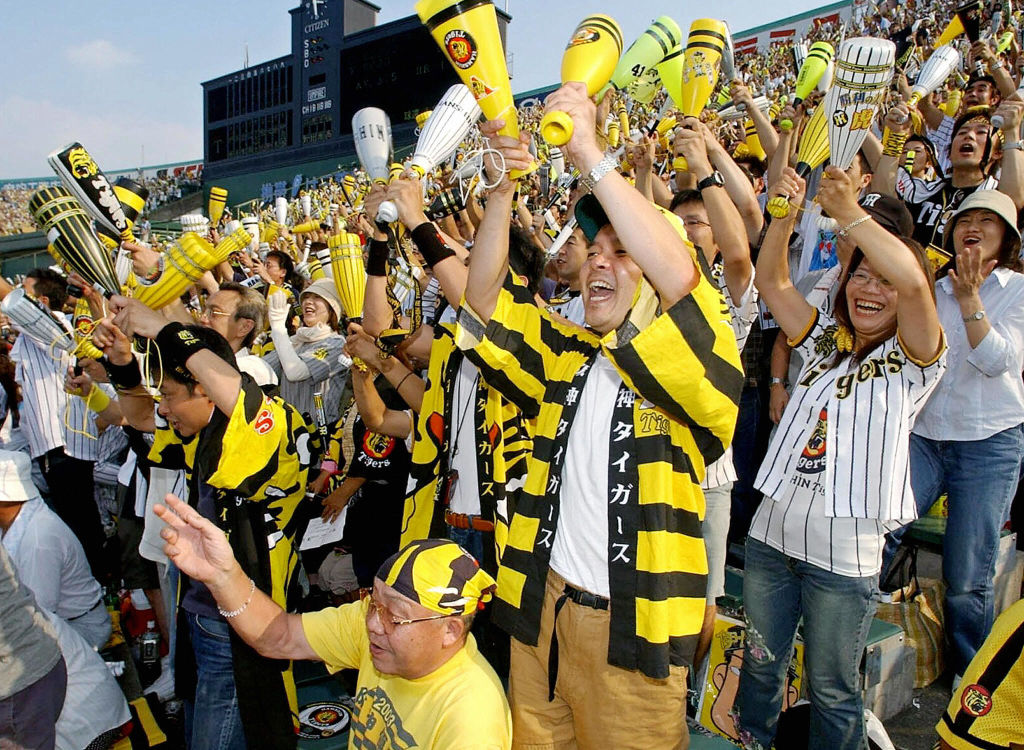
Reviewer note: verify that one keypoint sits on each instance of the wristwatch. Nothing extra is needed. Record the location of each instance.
(714, 179)
(778, 381)
(603, 167)
(974, 316)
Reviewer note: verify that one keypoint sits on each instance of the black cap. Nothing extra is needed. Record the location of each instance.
(590, 216)
(891, 213)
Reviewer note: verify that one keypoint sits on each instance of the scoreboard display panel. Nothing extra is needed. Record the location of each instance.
(404, 76)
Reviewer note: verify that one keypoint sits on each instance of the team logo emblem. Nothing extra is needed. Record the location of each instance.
(976, 700)
(461, 48)
(264, 421)
(479, 88)
(378, 446)
(322, 719)
(584, 35)
(81, 163)
(840, 118)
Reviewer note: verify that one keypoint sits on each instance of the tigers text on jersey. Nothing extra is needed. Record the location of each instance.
(859, 416)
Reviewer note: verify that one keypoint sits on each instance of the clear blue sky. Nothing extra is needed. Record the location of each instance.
(123, 77)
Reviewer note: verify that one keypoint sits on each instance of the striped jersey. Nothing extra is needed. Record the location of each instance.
(40, 374)
(840, 455)
(742, 317)
(674, 412)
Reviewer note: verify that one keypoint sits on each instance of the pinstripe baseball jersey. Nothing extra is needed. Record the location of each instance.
(41, 377)
(838, 466)
(81, 435)
(742, 317)
(674, 412)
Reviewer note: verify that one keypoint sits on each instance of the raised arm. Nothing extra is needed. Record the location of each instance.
(406, 193)
(377, 313)
(1011, 179)
(726, 223)
(894, 137)
(737, 185)
(201, 551)
(765, 132)
(651, 241)
(916, 316)
(791, 310)
(489, 260)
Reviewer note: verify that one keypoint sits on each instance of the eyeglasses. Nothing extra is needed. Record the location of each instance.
(861, 278)
(209, 312)
(388, 620)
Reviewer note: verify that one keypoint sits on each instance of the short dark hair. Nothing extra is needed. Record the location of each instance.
(50, 284)
(685, 196)
(525, 258)
(841, 309)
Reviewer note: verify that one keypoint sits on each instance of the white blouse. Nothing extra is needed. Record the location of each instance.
(982, 392)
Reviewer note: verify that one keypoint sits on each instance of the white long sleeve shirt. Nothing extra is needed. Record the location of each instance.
(981, 392)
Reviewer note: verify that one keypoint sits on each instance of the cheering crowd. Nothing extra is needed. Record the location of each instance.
(493, 456)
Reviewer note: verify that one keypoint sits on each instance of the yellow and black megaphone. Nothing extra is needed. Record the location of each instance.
(670, 71)
(467, 32)
(812, 70)
(700, 67)
(215, 206)
(590, 57)
(649, 49)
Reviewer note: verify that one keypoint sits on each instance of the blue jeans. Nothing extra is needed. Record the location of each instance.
(980, 478)
(213, 722)
(837, 612)
(470, 540)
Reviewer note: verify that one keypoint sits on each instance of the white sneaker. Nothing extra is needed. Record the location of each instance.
(163, 685)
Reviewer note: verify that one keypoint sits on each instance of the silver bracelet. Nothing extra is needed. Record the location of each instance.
(240, 610)
(852, 225)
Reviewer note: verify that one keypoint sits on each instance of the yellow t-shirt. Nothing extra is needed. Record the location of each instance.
(459, 705)
(987, 709)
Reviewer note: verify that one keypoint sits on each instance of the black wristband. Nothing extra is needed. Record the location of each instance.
(377, 258)
(430, 244)
(123, 377)
(176, 344)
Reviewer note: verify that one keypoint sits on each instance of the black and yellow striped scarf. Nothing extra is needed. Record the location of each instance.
(675, 413)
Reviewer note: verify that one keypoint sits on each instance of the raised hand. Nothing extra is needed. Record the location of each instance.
(199, 549)
(970, 272)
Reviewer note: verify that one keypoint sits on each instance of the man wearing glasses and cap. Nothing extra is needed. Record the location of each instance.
(422, 681)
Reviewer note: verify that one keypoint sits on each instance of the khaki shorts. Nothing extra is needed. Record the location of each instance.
(596, 705)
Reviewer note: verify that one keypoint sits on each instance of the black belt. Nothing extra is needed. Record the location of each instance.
(584, 599)
(94, 606)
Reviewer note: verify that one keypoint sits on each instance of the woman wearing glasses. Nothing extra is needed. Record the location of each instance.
(836, 475)
(969, 438)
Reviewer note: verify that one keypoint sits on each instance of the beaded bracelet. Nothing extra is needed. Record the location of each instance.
(240, 610)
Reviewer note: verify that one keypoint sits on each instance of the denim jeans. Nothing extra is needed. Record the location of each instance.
(470, 540)
(837, 612)
(213, 722)
(980, 478)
